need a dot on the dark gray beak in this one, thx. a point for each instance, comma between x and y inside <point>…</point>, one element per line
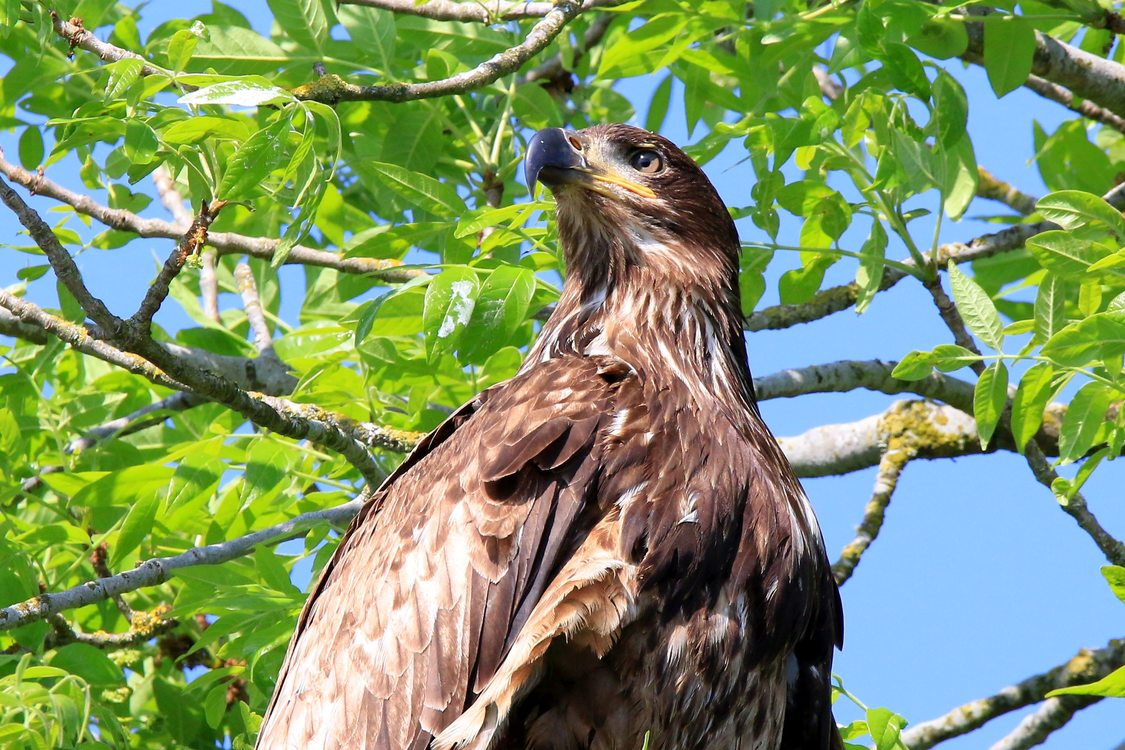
<point>550,159</point>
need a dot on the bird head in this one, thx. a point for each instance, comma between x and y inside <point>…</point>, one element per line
<point>628,199</point>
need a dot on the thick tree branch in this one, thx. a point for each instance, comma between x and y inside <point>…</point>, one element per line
<point>484,11</point>
<point>157,570</point>
<point>60,259</point>
<point>1086,666</point>
<point>1087,75</point>
<point>227,243</point>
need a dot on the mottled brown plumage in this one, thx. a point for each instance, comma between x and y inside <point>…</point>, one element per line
<point>610,544</point>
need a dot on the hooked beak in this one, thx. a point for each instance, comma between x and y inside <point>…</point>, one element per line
<point>555,158</point>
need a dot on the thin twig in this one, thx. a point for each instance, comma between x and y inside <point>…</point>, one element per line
<point>149,626</point>
<point>252,303</point>
<point>77,35</point>
<point>1086,666</point>
<point>98,561</point>
<point>331,89</point>
<point>1076,507</point>
<point>208,279</point>
<point>135,421</point>
<point>997,190</point>
<point>1084,107</point>
<point>1052,715</point>
<point>194,238</point>
<point>838,298</point>
<point>157,570</point>
<point>899,452</point>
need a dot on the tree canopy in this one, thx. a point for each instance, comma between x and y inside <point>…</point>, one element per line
<point>347,253</point>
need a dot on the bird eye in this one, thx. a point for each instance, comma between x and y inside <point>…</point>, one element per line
<point>647,162</point>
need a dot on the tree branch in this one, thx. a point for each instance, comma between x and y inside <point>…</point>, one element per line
<point>74,33</point>
<point>157,570</point>
<point>149,625</point>
<point>1075,507</point>
<point>331,89</point>
<point>1052,715</point>
<point>1086,75</point>
<point>1086,666</point>
<point>838,298</point>
<point>483,11</point>
<point>898,425</point>
<point>252,303</point>
<point>1084,107</point>
<point>997,190</point>
<point>194,238</point>
<point>227,243</point>
<point>135,421</point>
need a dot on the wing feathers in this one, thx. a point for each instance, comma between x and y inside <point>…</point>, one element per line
<point>462,541</point>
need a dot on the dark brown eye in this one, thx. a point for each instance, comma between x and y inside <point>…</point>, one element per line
<point>647,162</point>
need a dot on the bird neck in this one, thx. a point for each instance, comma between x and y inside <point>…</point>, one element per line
<point>683,335</point>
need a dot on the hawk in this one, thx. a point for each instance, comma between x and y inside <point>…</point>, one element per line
<point>605,551</point>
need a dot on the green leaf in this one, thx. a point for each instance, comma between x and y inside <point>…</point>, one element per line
<point>136,527</point>
<point>89,663</point>
<point>950,110</point>
<point>1074,209</point>
<point>500,308</point>
<point>1110,686</point>
<point>180,48</point>
<point>257,157</point>
<point>1084,416</point>
<point>1009,50</point>
<point>976,308</point>
<point>303,20</point>
<point>1050,303</point>
<point>1096,338</point>
<point>658,105</point>
<point>1032,396</point>
<point>243,93</point>
<point>951,357</point>
<point>451,298</point>
<point>869,274</point>
<point>914,366</point>
<point>31,148</point>
<point>421,191</point>
<point>373,31</point>
<point>140,141</point>
<point>122,75</point>
<point>1115,577</point>
<point>941,37</point>
<point>989,398</point>
<point>884,727</point>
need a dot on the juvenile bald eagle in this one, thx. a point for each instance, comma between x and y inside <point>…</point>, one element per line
<point>607,546</point>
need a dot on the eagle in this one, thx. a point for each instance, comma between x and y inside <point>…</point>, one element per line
<point>607,551</point>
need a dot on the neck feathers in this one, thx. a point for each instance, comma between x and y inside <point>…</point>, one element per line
<point>671,313</point>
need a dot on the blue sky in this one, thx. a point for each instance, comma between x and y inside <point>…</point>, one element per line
<point>978,579</point>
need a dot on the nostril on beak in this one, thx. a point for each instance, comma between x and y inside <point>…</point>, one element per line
<point>574,142</point>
